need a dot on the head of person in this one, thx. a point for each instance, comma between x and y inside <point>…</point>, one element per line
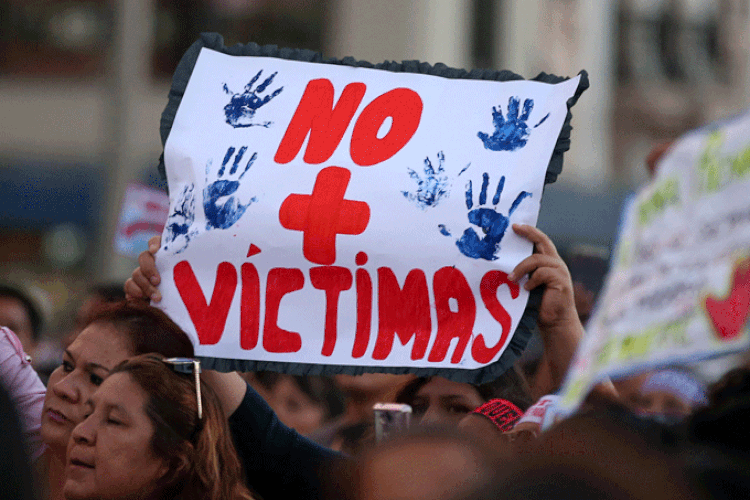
<point>123,330</point>
<point>20,313</point>
<point>427,463</point>
<point>437,401</point>
<point>304,403</point>
<point>670,394</point>
<point>153,431</point>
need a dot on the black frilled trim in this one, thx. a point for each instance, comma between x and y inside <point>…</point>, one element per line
<point>527,325</point>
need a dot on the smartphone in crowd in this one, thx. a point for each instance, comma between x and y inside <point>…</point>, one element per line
<point>390,419</point>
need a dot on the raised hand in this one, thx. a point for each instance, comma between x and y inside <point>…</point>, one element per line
<point>559,326</point>
<point>242,107</point>
<point>432,188</point>
<point>222,209</point>
<point>493,224</point>
<point>511,132</point>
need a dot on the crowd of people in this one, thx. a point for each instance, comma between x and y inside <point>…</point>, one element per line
<point>128,413</point>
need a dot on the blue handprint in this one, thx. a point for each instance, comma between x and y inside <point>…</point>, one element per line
<point>180,223</point>
<point>511,132</point>
<point>242,107</point>
<point>433,187</point>
<point>222,212</point>
<point>493,224</point>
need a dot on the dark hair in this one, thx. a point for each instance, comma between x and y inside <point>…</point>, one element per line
<point>203,463</point>
<point>511,386</point>
<point>322,390</point>
<point>28,303</point>
<point>147,329</point>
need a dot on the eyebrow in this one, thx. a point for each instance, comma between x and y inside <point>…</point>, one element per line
<point>109,406</point>
<point>454,397</point>
<point>88,365</point>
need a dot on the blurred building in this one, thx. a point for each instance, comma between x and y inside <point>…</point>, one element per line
<point>83,83</point>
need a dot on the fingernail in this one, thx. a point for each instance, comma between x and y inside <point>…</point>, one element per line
<point>154,280</point>
<point>153,248</point>
<point>512,277</point>
<point>156,296</point>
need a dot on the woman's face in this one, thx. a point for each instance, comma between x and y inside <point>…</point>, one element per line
<point>86,363</point>
<point>110,453</point>
<point>443,402</point>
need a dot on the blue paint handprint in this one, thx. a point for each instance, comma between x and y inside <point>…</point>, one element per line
<point>180,223</point>
<point>493,224</point>
<point>511,132</point>
<point>242,107</point>
<point>433,187</point>
<point>221,208</point>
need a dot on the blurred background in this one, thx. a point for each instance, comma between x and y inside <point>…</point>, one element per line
<point>83,84</point>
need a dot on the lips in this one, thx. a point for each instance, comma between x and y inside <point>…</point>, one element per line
<point>56,416</point>
<point>75,462</point>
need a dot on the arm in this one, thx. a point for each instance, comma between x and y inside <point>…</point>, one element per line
<point>558,322</point>
<point>278,462</point>
<point>25,388</point>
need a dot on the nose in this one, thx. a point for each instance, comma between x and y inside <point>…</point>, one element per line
<point>84,433</point>
<point>431,417</point>
<point>67,389</point>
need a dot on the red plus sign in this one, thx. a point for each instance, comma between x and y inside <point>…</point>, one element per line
<point>324,214</point>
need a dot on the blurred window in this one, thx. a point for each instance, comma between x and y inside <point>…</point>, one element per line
<point>54,37</point>
<point>286,23</point>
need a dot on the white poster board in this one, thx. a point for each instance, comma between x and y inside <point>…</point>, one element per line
<point>679,287</point>
<point>327,214</point>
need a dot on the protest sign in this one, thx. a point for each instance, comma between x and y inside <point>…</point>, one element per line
<point>679,287</point>
<point>331,216</point>
<point>144,210</point>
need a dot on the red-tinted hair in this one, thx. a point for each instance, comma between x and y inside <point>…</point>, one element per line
<point>146,328</point>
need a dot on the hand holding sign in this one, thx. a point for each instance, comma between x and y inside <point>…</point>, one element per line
<point>558,322</point>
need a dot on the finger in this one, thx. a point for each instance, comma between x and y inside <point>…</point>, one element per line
<point>154,244</point>
<point>543,244</point>
<point>144,285</point>
<point>147,265</point>
<point>533,262</point>
<point>549,276</point>
<point>132,291</point>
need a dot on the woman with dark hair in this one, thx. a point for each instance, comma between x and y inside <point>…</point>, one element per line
<point>154,430</point>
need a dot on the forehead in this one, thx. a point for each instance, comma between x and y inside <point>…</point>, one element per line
<point>441,387</point>
<point>101,344</point>
<point>120,389</point>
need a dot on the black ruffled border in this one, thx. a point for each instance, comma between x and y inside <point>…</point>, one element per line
<point>527,325</point>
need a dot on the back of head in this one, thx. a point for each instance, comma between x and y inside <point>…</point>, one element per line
<point>203,464</point>
<point>424,464</point>
<point>31,307</point>
<point>147,328</point>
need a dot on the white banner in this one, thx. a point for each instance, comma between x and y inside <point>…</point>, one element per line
<point>347,216</point>
<point>679,287</point>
